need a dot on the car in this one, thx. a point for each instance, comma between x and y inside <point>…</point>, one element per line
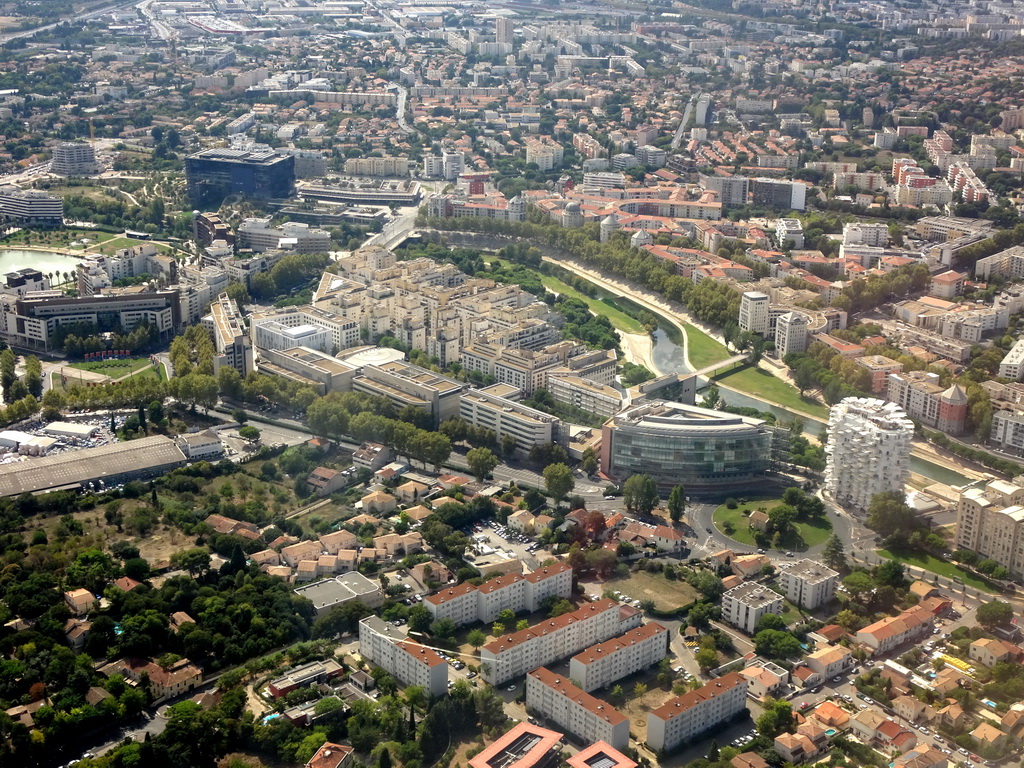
<point>836,679</point>
<point>609,498</point>
<point>760,552</point>
<point>789,554</point>
<point>975,759</point>
<point>922,729</point>
<point>804,705</point>
<point>962,751</point>
<point>708,529</point>
<point>511,687</point>
<point>470,675</point>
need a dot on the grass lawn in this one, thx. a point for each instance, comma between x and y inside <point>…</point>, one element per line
<point>702,349</point>
<point>812,532</point>
<point>618,318</point>
<point>153,372</point>
<point>112,368</point>
<point>739,518</point>
<point>116,243</point>
<point>935,565</point>
<point>762,384</point>
<point>642,585</point>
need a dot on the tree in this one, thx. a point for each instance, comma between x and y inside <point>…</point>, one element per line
<point>239,415</point>
<point>249,433</point>
<point>482,462</point>
<point>713,753</point>
<point>443,628</point>
<point>891,573</point>
<point>476,637</point>
<point>677,503</point>
<point>707,658</point>
<point>589,464</point>
<point>196,561</point>
<point>558,481</point>
<point>640,494</point>
<point>776,718</point>
<point>834,554</point>
<point>771,621</point>
<point>507,445</point>
<point>419,618</point>
<point>858,585</point>
<point>775,644</point>
<point>34,376</point>
<point>994,614</point>
<point>640,691</point>
<point>891,517</point>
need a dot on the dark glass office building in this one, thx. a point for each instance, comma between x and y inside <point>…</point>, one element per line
<point>260,174</point>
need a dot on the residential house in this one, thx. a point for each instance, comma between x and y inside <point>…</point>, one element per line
<point>758,519</point>
<point>830,660</point>
<point>304,550</point>
<point>953,716</point>
<point>79,601</point>
<point>794,748</point>
<point>989,651</point>
<point>338,540</point>
<point>892,735</point>
<point>764,679</point>
<point>379,503</point>
<point>179,677</point>
<point>747,566</point>
<point>180,619</point>
<point>326,481</point>
<point>909,708</point>
<point>923,590</point>
<point>748,760</point>
<point>371,456</point>
<point>987,735</point>
<point>924,756</point>
<point>411,491</point>
<point>521,521</point>
<point>831,715</point>
<point>76,632</point>
<point>331,755</point>
<point>894,631</point>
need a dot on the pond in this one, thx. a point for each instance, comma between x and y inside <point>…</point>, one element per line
<point>13,259</point>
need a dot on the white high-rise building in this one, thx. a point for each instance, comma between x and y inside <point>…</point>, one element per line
<point>754,312</point>
<point>503,31</point>
<point>74,158</point>
<point>864,233</point>
<point>792,333</point>
<point>807,583</point>
<point>868,450</point>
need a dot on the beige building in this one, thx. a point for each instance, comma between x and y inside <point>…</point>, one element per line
<point>990,521</point>
<point>497,408</point>
<point>681,719</point>
<point>604,663</point>
<point>588,719</point>
<point>808,583</point>
<point>743,606</point>
<point>413,664</point>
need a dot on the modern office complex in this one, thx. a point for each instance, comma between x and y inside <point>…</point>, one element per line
<point>744,605</point>
<point>258,173</point>
<point>496,408</point>
<point>553,639</point>
<point>74,158</point>
<point>601,665</point>
<point>588,719</point>
<point>807,583</point>
<point>990,521</point>
<point>868,450</point>
<point>685,717</point>
<point>413,664</point>
<point>304,326</point>
<point>259,235</point>
<point>30,206</point>
<point>683,444</point>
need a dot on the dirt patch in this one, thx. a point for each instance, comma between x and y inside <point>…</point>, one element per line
<point>643,585</point>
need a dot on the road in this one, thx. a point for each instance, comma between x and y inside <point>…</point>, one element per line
<point>77,18</point>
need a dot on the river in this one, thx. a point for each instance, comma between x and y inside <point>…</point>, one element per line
<point>669,358</point>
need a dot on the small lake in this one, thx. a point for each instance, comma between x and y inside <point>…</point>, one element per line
<point>13,259</point>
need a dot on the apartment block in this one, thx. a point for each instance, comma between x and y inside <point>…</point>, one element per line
<point>1008,429</point>
<point>465,603</point>
<point>497,408</point>
<point>377,166</point>
<point>923,399</point>
<point>808,583</point>
<point>230,337</point>
<point>260,236</point>
<point>525,746</point>
<point>515,654</point>
<point>387,647</point>
<point>754,312</point>
<point>1012,365</point>
<point>990,521</point>
<point>601,400</point>
<point>579,713</point>
<point>792,333</point>
<point>30,206</point>
<point>879,367</point>
<point>685,717</point>
<point>789,232</point>
<point>601,665</point>
<point>743,606</point>
<point>868,450</point>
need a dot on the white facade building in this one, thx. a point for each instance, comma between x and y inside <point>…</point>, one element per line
<point>465,603</point>
<point>290,236</point>
<point>807,583</point>
<point>754,312</point>
<point>602,664</point>
<point>789,230</point>
<point>868,450</point>
<point>743,606</point>
<point>230,336</point>
<point>1012,365</point>
<point>792,332</point>
<point>413,664</point>
<point>553,639</point>
<point>588,719</point>
<point>681,719</point>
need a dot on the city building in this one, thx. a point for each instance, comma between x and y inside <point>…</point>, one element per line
<point>990,521</point>
<point>683,718</point>
<point>868,450</point>
<point>879,367</point>
<point>924,399</point>
<point>257,172</point>
<point>496,408</point>
<point>754,312</point>
<point>258,235</point>
<point>775,193</point>
<point>684,444</point>
<point>807,583</point>
<point>310,367</point>
<point>789,234</point>
<point>465,603</point>
<point>601,665</point>
<point>304,326</point>
<point>387,646</point>
<point>341,589</point>
<point>744,605</point>
<point>406,384</point>
<point>585,717</point>
<point>525,746</point>
<point>30,206</point>
<point>600,755</point>
<point>1012,365</point>
<point>1008,429</point>
<point>792,333</point>
<point>305,675</point>
<point>230,337</point>
<point>554,639</point>
<point>865,233</point>
<point>74,158</point>
<point>577,392</point>
<point>377,166</point>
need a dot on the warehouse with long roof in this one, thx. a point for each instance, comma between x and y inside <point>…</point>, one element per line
<point>115,463</point>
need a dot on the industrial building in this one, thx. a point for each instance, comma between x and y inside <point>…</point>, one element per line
<point>106,464</point>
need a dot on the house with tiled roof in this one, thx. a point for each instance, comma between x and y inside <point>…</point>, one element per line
<point>953,716</point>
<point>79,601</point>
<point>331,755</point>
<point>794,747</point>
<point>987,735</point>
<point>894,631</point>
<point>924,756</point>
<point>989,651</point>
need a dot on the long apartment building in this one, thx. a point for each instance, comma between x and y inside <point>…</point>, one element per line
<point>990,521</point>
<point>893,631</point>
<point>553,639</point>
<point>413,664</point>
<point>406,384</point>
<point>685,717</point>
<point>497,408</point>
<point>588,719</point>
<point>259,235</point>
<point>304,326</point>
<point>230,336</point>
<point>466,603</point>
<point>601,665</point>
<point>744,605</point>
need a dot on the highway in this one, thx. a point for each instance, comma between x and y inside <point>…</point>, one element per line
<point>77,18</point>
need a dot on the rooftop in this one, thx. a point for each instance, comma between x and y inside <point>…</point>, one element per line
<point>711,689</point>
<point>524,746</point>
<point>566,687</point>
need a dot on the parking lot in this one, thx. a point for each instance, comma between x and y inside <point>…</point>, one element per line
<point>510,542</point>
